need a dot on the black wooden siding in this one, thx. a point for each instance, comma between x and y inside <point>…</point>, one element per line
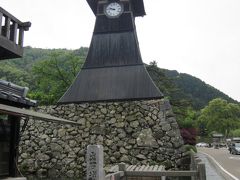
<point>137,7</point>
<point>123,23</point>
<point>5,53</point>
<point>116,49</point>
<point>111,84</point>
<point>113,70</point>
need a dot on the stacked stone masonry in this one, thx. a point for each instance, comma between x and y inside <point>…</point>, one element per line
<point>136,132</point>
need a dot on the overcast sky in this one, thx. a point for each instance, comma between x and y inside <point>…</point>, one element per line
<point>198,37</point>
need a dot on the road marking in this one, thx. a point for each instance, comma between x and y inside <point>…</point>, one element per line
<point>224,170</point>
<point>237,158</point>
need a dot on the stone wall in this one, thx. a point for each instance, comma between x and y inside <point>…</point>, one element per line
<point>137,132</point>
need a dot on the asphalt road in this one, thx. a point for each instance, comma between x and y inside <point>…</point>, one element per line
<point>230,163</point>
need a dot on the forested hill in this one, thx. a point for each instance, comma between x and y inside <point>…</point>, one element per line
<point>33,55</point>
<point>196,89</point>
<point>182,89</point>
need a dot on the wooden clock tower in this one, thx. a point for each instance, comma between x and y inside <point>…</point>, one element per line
<point>113,70</point>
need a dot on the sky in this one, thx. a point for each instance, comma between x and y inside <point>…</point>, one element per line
<point>198,37</point>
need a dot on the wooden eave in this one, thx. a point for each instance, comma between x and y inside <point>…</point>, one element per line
<point>138,7</point>
<point>36,115</point>
<point>9,50</point>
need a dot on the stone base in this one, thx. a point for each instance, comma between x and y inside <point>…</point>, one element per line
<point>135,132</point>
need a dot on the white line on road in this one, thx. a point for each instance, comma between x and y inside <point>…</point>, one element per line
<point>224,170</point>
<point>237,158</point>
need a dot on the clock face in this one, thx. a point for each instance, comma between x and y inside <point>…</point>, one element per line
<point>113,10</point>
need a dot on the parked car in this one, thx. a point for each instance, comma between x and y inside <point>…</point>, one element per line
<point>202,144</point>
<point>222,145</point>
<point>234,148</point>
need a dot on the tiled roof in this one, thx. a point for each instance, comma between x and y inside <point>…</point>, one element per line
<point>12,93</point>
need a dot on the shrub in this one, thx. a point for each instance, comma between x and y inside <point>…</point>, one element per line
<point>189,135</point>
<point>190,148</point>
<point>235,133</point>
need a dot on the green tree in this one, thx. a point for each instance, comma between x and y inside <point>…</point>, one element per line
<point>54,75</point>
<point>220,116</point>
<point>166,85</point>
<point>190,119</point>
<point>12,74</point>
<point>235,133</point>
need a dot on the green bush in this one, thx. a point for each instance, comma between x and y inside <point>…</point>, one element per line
<point>190,148</point>
<point>235,133</point>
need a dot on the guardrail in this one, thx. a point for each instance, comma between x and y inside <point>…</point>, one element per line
<point>95,170</point>
<point>139,173</point>
<point>11,28</point>
<point>11,35</point>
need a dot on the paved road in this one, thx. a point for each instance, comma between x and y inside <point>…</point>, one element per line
<point>229,162</point>
<point>212,173</point>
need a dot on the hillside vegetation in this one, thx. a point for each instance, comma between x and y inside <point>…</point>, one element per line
<point>49,72</point>
<point>197,90</point>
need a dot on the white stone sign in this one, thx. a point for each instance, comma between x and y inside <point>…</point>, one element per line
<point>95,169</point>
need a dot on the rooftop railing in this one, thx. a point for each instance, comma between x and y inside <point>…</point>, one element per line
<point>11,35</point>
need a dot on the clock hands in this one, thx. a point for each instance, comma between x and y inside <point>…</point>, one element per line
<point>113,9</point>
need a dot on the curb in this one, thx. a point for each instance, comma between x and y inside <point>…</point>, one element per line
<point>220,170</point>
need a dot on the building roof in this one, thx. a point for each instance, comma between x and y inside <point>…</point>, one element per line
<point>15,95</point>
<point>138,7</point>
<point>217,135</point>
<point>36,115</point>
<point>111,84</point>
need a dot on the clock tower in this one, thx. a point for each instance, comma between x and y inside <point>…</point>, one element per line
<point>113,70</point>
